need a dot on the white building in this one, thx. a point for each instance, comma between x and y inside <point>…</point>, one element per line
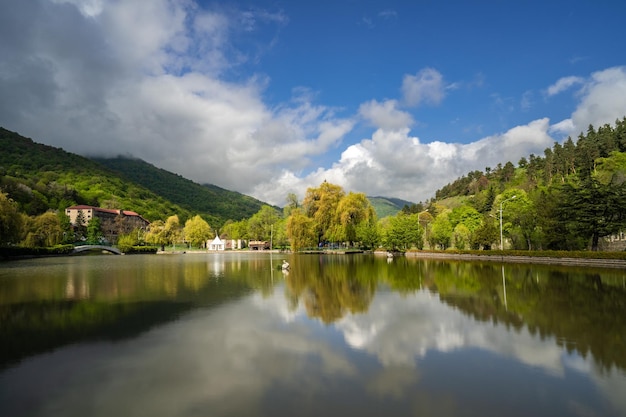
<point>216,244</point>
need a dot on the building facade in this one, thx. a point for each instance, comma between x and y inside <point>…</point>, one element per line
<point>112,222</point>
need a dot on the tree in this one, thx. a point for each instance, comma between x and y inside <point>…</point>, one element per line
<point>485,235</point>
<point>441,230</point>
<point>593,205</point>
<point>173,232</point>
<point>44,230</point>
<point>403,232</point>
<point>94,233</point>
<point>467,216</point>
<point>320,204</point>
<point>66,225</point>
<point>292,203</point>
<point>521,218</point>
<point>236,230</point>
<point>300,230</point>
<point>197,231</point>
<point>156,234</point>
<point>462,236</point>
<point>353,211</point>
<point>261,223</point>
<point>10,220</point>
<point>80,225</point>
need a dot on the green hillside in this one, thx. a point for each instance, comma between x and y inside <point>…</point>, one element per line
<point>40,177</point>
<point>221,203</point>
<point>386,206</point>
<point>568,199</point>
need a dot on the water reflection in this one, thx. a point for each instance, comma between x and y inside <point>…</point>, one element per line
<point>233,335</point>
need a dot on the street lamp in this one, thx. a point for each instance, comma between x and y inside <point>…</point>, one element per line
<point>502,202</point>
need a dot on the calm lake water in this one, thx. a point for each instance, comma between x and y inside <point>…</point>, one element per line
<point>231,335</point>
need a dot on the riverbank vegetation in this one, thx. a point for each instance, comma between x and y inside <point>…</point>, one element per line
<point>573,198</point>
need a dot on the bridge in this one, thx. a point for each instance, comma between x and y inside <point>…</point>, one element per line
<point>84,248</point>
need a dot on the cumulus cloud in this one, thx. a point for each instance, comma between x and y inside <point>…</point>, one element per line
<point>146,80</point>
<point>156,81</point>
<point>424,87</point>
<point>602,101</point>
<point>394,163</point>
<point>385,115</point>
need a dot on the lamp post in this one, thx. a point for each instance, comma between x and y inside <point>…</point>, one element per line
<point>501,203</point>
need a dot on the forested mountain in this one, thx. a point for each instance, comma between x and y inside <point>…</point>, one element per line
<point>566,199</point>
<point>387,206</point>
<point>40,177</point>
<point>194,197</point>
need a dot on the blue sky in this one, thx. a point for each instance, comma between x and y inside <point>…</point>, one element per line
<point>392,98</point>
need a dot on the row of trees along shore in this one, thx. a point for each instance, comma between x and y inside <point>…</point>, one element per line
<point>567,199</point>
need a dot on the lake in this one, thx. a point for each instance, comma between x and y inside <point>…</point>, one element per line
<point>230,334</point>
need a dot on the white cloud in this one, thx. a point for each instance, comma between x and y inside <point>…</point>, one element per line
<point>563,84</point>
<point>385,115</point>
<point>393,163</point>
<point>602,100</point>
<point>124,77</point>
<point>424,87</point>
<point>145,79</point>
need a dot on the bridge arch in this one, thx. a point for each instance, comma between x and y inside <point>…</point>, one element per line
<point>84,248</point>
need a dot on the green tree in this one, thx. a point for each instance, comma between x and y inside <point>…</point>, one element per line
<point>66,226</point>
<point>44,230</point>
<point>403,232</point>
<point>173,230</point>
<point>94,232</point>
<point>197,231</point>
<point>260,225</point>
<point>320,204</point>
<point>353,211</point>
<point>485,235</point>
<point>301,230</point>
<point>292,203</point>
<point>80,225</point>
<point>462,236</point>
<point>441,230</point>
<point>10,220</point>
<point>156,234</point>
<point>593,205</point>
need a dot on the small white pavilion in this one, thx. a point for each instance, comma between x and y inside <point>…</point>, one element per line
<point>216,244</point>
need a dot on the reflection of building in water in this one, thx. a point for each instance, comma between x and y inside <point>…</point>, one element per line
<point>217,266</point>
<point>76,288</point>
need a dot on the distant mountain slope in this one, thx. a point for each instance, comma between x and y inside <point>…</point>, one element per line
<point>198,198</point>
<point>40,177</point>
<point>387,206</point>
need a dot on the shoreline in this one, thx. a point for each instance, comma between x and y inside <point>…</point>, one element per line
<point>520,259</point>
<point>514,259</point>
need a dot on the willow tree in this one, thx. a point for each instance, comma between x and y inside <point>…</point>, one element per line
<point>353,216</point>
<point>10,220</point>
<point>320,204</point>
<point>197,231</point>
<point>301,230</point>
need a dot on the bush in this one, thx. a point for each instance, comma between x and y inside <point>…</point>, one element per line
<point>140,249</point>
<point>22,251</point>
